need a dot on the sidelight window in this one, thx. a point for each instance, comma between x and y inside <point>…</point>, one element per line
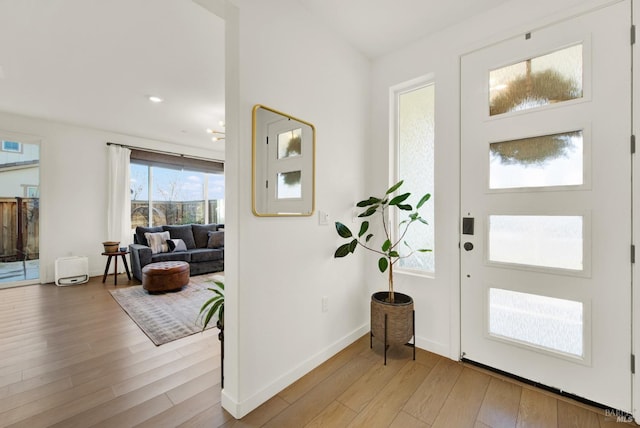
<point>415,137</point>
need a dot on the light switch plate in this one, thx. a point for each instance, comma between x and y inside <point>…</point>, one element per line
<point>323,218</point>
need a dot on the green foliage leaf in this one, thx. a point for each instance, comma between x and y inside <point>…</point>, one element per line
<point>369,236</point>
<point>213,310</point>
<point>424,250</point>
<point>370,211</point>
<point>423,221</point>
<point>363,228</point>
<point>424,199</point>
<point>352,245</point>
<point>213,306</point>
<point>405,207</point>
<point>395,187</point>
<point>383,264</point>
<point>394,254</point>
<point>342,250</point>
<point>399,198</point>
<point>343,230</point>
<point>386,245</point>
<point>367,202</point>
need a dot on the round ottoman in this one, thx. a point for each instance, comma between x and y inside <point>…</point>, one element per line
<point>165,276</point>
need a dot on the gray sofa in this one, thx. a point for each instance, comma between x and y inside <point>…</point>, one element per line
<point>204,247</point>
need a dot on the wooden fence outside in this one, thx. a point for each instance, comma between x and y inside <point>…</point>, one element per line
<point>168,212</point>
<point>19,235</point>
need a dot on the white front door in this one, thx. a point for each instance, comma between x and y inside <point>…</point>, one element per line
<point>546,206</point>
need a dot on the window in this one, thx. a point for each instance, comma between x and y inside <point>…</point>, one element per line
<point>11,146</point>
<point>31,191</point>
<point>19,212</point>
<point>169,189</point>
<point>551,241</point>
<point>543,161</point>
<point>543,322</point>
<point>536,82</point>
<point>414,151</point>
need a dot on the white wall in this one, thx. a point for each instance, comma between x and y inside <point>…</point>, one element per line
<point>276,276</point>
<point>437,300</point>
<point>73,185</point>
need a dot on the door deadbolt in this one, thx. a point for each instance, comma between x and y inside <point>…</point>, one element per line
<point>468,246</point>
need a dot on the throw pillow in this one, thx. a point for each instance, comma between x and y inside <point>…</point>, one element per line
<point>176,245</point>
<point>216,239</point>
<point>183,232</point>
<point>140,231</point>
<point>157,241</point>
<point>201,233</point>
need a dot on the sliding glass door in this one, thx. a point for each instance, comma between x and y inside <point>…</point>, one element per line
<point>19,212</point>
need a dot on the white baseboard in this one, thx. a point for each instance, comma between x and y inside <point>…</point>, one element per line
<point>432,346</point>
<point>238,409</point>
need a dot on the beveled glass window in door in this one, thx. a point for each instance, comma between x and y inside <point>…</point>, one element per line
<point>290,143</point>
<point>547,241</point>
<point>540,321</point>
<point>544,161</point>
<point>289,185</point>
<point>536,82</point>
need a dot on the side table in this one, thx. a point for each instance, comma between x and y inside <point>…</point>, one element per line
<point>115,272</point>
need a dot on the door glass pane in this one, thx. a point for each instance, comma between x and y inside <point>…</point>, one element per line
<point>290,143</point>
<point>548,160</point>
<point>545,322</point>
<point>536,82</point>
<point>19,212</point>
<point>289,185</point>
<point>545,241</point>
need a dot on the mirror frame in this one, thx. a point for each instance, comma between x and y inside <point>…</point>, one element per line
<point>254,163</point>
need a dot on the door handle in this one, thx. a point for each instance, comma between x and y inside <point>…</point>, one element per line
<point>468,246</point>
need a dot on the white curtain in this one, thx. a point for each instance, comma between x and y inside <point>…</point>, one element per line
<point>119,202</point>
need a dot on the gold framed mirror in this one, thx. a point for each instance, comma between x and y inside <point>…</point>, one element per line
<point>283,164</point>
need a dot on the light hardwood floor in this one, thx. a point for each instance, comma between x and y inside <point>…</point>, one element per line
<point>70,357</point>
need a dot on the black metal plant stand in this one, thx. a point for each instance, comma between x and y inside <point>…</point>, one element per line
<point>221,339</point>
<point>386,345</point>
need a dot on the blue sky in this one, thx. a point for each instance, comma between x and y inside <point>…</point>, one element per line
<point>177,185</point>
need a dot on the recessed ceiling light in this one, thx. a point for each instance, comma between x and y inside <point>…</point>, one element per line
<point>155,99</point>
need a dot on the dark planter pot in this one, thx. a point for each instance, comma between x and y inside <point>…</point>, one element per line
<point>399,318</point>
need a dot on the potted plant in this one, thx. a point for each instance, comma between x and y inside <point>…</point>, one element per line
<point>215,307</point>
<point>391,312</point>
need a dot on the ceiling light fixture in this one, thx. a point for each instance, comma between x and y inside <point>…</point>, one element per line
<point>155,99</point>
<point>217,135</point>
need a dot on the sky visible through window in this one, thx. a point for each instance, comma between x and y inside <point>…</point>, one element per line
<point>174,185</point>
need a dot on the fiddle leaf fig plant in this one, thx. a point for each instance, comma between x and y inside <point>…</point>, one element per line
<point>390,251</point>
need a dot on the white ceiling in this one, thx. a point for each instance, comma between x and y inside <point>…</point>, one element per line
<point>377,27</point>
<point>94,63</point>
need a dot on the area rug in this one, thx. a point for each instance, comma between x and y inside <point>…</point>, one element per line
<point>169,316</point>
